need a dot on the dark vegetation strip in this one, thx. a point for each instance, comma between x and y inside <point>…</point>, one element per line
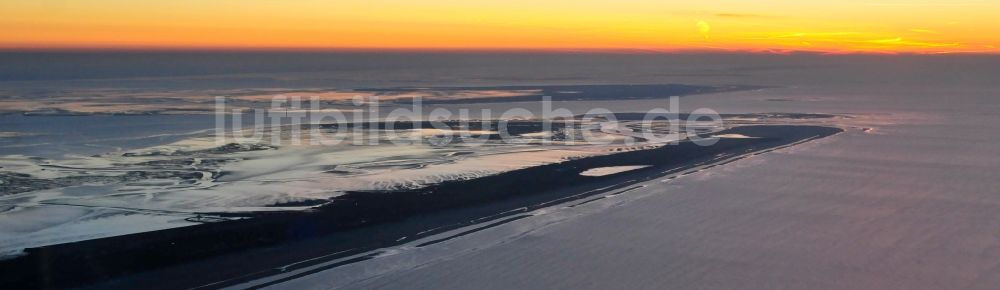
<point>357,221</point>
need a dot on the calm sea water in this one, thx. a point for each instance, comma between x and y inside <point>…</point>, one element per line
<point>36,73</point>
<point>37,77</point>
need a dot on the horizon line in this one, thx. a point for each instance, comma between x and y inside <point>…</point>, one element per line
<point>461,50</point>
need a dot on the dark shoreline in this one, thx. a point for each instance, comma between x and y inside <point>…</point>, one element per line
<point>243,250</point>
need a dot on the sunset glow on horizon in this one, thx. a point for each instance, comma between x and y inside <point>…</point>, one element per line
<point>826,26</point>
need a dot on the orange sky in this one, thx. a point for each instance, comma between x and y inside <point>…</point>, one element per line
<point>842,26</point>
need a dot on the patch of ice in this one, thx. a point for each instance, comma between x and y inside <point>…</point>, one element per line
<point>734,136</point>
<point>603,171</point>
